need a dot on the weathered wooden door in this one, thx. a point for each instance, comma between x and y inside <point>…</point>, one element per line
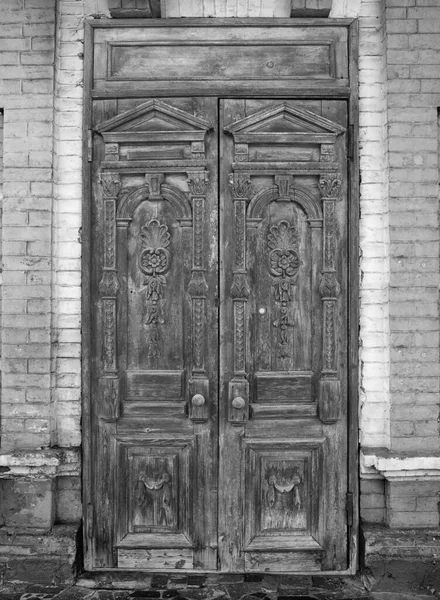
<point>219,328</point>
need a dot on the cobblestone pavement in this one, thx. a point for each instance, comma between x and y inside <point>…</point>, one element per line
<point>219,587</point>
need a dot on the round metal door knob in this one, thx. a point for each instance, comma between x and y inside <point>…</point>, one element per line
<point>239,402</point>
<point>198,400</point>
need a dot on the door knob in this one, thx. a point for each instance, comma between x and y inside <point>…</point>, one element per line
<point>238,402</point>
<point>198,400</point>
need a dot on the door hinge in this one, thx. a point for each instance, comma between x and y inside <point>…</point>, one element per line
<point>349,508</point>
<point>350,149</point>
<point>89,145</point>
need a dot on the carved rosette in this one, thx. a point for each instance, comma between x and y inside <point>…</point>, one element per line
<point>154,263</point>
<point>330,185</point>
<point>283,265</point>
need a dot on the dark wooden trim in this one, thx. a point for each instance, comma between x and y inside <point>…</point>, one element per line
<point>353,281</point>
<point>219,91</point>
<point>217,22</point>
<point>86,296</point>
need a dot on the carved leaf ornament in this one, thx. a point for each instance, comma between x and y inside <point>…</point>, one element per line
<point>154,262</point>
<point>283,264</point>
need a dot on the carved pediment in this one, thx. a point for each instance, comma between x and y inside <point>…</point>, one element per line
<point>282,123</point>
<point>154,120</point>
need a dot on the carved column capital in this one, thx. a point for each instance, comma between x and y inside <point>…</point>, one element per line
<point>198,182</point>
<point>330,186</point>
<point>240,184</point>
<point>111,183</point>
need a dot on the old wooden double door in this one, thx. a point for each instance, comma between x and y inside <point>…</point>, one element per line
<point>219,335</point>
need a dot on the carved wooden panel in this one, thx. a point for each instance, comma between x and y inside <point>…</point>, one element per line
<point>155,313</point>
<point>283,491</point>
<point>149,58</point>
<point>287,171</point>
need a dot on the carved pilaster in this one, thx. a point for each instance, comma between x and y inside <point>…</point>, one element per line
<point>329,386</point>
<point>197,289</point>
<point>109,285</point>
<point>240,185</point>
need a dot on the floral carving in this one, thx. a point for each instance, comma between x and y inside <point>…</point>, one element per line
<point>109,334</point>
<point>329,286</point>
<point>109,233</point>
<point>283,265</point>
<point>198,286</point>
<point>330,185</point>
<point>198,332</point>
<point>329,234</point>
<point>240,184</point>
<point>198,214</point>
<point>110,184</point>
<point>329,336</point>
<point>154,262</point>
<point>240,286</point>
<point>239,341</point>
<point>109,284</point>
<point>198,183</point>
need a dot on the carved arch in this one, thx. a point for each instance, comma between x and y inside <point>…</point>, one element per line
<point>129,202</point>
<point>297,194</point>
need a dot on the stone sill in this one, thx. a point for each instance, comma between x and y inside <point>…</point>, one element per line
<point>44,463</point>
<point>378,463</point>
<point>384,543</point>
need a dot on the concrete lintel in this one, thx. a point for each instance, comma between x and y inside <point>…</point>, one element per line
<point>382,463</point>
<point>44,463</point>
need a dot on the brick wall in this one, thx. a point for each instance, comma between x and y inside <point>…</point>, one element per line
<point>66,347</point>
<point>413,67</point>
<point>27,99</point>
<point>374,231</point>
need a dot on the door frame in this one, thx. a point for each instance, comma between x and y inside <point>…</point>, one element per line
<point>349,93</point>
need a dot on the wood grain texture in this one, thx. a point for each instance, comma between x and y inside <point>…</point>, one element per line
<point>152,559</point>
